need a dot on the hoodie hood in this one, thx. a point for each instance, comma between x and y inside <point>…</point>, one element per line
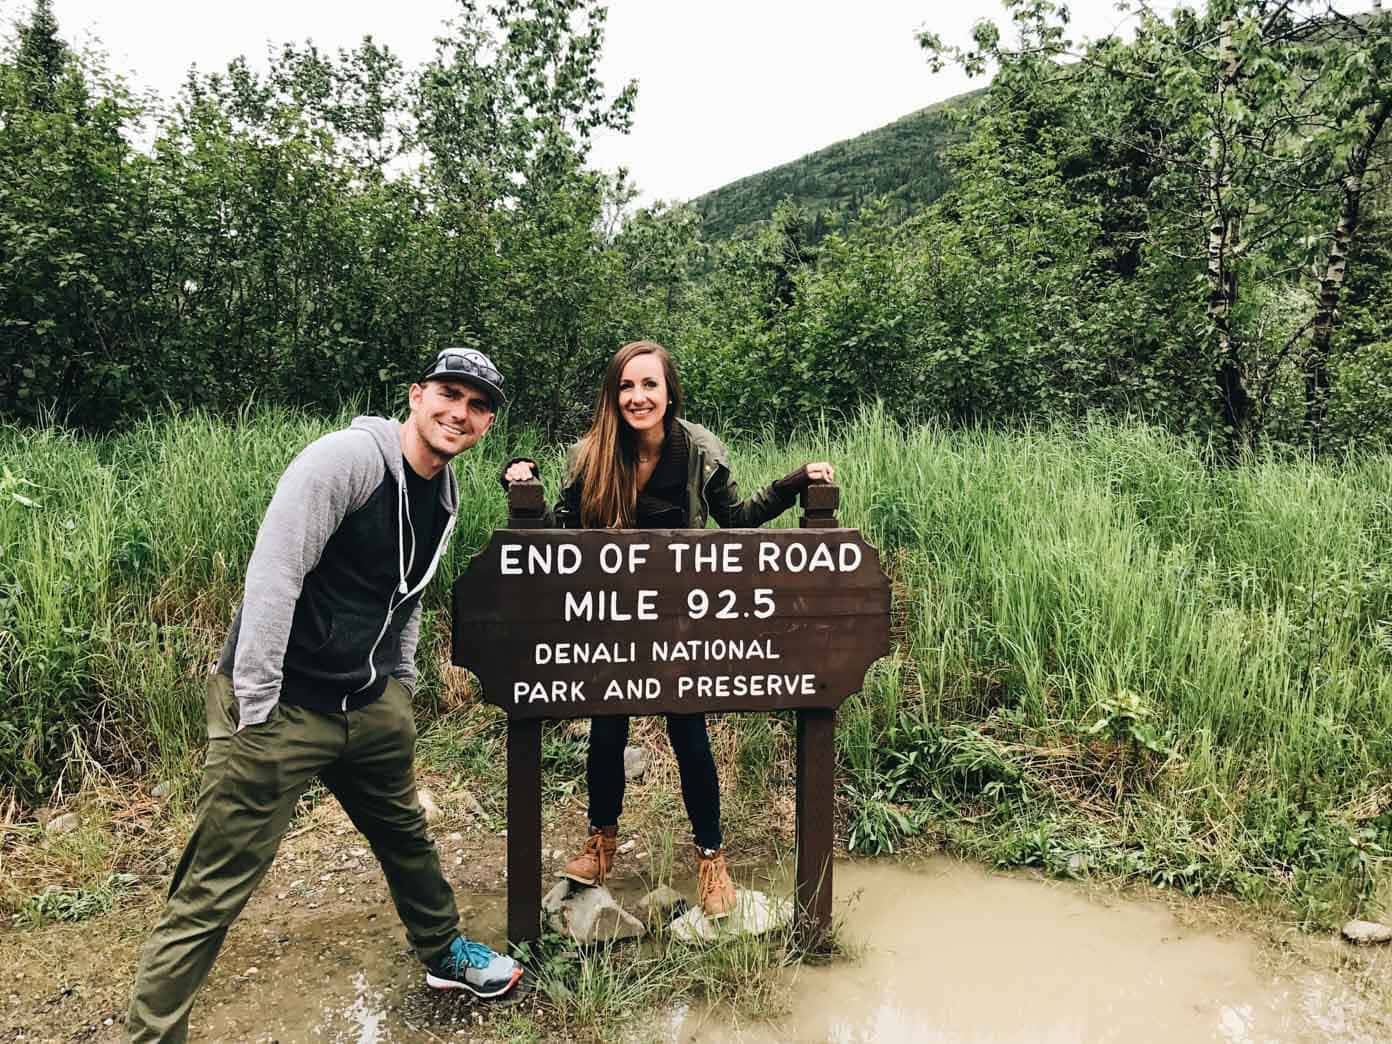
<point>386,433</point>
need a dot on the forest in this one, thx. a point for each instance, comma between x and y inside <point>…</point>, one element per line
<point>1189,227</point>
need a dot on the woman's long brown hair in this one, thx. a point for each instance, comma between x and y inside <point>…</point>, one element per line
<point>606,465</point>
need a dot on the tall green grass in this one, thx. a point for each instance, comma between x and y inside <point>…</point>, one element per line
<point>121,562</point>
<point>1112,657</point>
<point>1173,670</point>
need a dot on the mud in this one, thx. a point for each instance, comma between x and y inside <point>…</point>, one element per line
<point>950,954</point>
<point>941,952</point>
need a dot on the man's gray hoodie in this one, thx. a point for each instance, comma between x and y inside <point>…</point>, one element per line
<point>327,613</point>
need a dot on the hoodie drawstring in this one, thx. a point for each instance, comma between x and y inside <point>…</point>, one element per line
<point>403,519</point>
<point>403,516</point>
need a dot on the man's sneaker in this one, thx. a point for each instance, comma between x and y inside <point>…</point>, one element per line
<point>474,967</point>
<point>592,865</point>
<point>714,889</point>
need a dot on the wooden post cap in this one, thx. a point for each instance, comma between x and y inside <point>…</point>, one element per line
<point>819,503</point>
<point>526,499</point>
<point>821,496</point>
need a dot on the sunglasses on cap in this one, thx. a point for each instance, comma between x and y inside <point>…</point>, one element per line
<point>468,364</point>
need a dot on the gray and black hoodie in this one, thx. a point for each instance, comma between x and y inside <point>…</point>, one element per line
<point>328,614</point>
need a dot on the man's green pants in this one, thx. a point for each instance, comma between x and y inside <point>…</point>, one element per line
<point>251,781</point>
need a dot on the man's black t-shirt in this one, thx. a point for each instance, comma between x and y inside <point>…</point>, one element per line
<point>423,501</point>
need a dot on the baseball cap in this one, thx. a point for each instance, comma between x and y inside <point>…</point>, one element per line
<point>468,364</point>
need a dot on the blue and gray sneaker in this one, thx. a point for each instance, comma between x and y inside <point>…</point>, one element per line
<point>474,967</point>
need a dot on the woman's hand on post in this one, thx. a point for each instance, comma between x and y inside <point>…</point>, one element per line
<point>518,470</point>
<point>797,481</point>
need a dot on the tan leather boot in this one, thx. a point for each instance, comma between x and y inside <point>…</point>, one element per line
<point>714,889</point>
<point>592,865</point>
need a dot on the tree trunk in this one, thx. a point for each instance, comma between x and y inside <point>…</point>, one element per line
<point>1234,400</point>
<point>1331,284</point>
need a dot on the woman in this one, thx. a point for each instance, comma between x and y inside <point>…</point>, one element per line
<point>641,466</point>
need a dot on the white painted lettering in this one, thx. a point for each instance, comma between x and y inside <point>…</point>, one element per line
<point>508,564</point>
<point>768,557</point>
<point>730,558</point>
<point>611,558</point>
<point>615,613</point>
<point>568,559</point>
<point>539,559</point>
<point>795,558</point>
<point>579,608</point>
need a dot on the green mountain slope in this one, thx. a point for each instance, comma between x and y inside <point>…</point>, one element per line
<point>903,160</point>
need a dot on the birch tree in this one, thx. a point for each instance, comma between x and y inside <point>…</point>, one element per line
<point>1262,119</point>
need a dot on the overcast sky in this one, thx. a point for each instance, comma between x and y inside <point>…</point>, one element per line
<point>725,87</point>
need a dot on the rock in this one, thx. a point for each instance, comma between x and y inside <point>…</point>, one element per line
<point>627,847</point>
<point>456,837</point>
<point>1366,932</point>
<point>473,804</point>
<point>64,824</point>
<point>161,791</point>
<point>1077,864</point>
<point>661,905</point>
<point>754,914</point>
<point>635,762</point>
<point>429,805</point>
<point>588,915</point>
<point>552,901</point>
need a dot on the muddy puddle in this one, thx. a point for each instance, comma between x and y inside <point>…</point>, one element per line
<point>945,953</point>
<point>348,980</point>
<point>950,954</point>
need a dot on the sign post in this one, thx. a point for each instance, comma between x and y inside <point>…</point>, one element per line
<point>586,623</point>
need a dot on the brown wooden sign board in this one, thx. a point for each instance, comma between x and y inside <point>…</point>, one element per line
<point>582,623</point>
<point>585,623</point>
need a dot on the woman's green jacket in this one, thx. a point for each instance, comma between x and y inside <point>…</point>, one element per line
<point>711,489</point>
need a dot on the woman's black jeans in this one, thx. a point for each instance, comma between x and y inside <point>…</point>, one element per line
<point>604,771</point>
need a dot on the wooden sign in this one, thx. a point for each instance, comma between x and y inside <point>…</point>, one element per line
<point>567,623</point>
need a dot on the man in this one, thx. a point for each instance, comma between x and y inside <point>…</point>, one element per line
<point>315,679</point>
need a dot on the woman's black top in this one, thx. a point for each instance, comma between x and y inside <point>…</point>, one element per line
<point>662,503</point>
